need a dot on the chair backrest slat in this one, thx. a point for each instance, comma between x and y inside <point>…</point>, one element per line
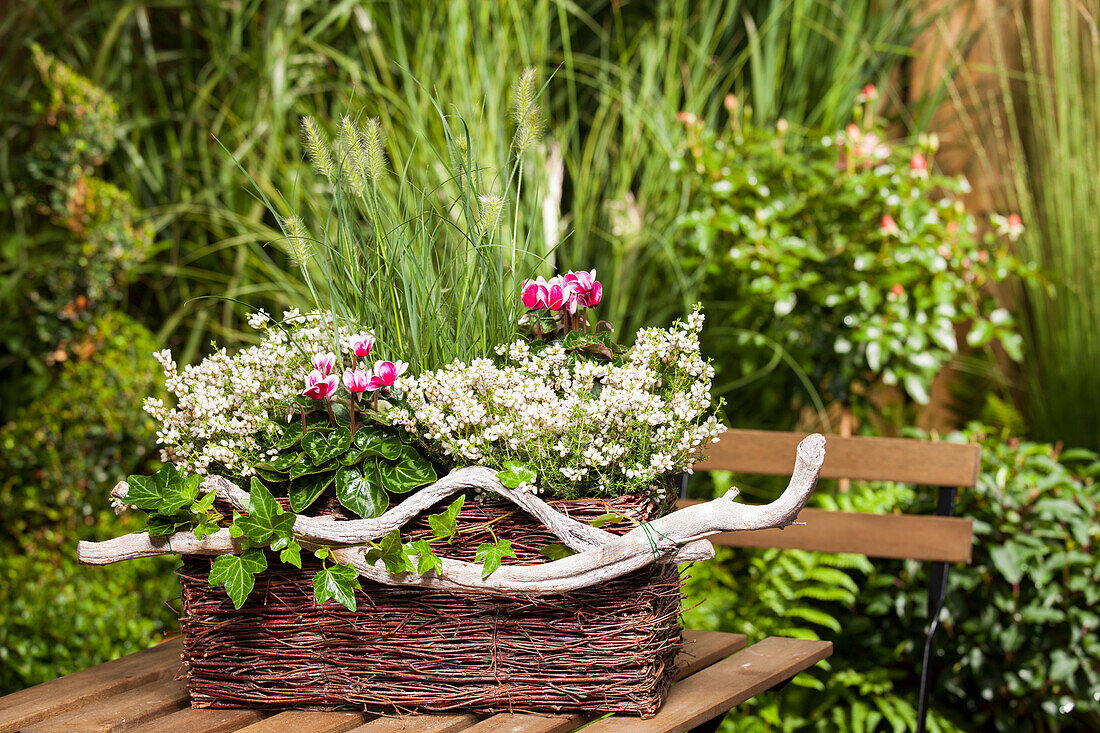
<point>898,536</point>
<point>903,460</point>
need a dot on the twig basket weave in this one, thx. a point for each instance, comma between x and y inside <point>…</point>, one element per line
<point>607,648</point>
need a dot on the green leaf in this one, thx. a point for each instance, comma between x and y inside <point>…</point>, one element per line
<point>339,582</point>
<point>265,517</point>
<point>516,473</point>
<point>362,493</point>
<point>305,468</point>
<point>305,491</point>
<point>391,552</point>
<point>492,555</point>
<point>445,523</point>
<point>371,441</point>
<point>426,559</point>
<point>289,550</point>
<point>158,525</point>
<point>238,573</point>
<point>179,493</point>
<point>143,493</point>
<point>1010,561</point>
<point>411,471</point>
<point>608,518</point>
<point>283,462</point>
<point>205,529</point>
<point>557,552</point>
<point>323,447</point>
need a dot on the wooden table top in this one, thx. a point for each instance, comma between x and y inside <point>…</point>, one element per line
<point>139,692</point>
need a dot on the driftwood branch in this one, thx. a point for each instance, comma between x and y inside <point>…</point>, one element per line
<point>677,537</point>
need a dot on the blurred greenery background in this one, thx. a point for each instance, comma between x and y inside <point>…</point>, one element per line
<point>126,226</point>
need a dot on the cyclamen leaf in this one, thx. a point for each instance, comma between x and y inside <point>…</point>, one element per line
<point>362,493</point>
<point>426,559</point>
<point>445,523</point>
<point>371,441</point>
<point>516,473</point>
<point>557,552</point>
<point>238,573</point>
<point>305,468</point>
<point>392,553</point>
<point>492,555</point>
<point>265,517</point>
<point>305,491</point>
<point>323,447</point>
<point>283,462</point>
<point>337,582</point>
<point>410,471</point>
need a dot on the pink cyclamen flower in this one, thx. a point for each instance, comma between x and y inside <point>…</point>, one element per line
<point>319,386</point>
<point>324,361</point>
<point>853,132</point>
<point>557,294</point>
<point>889,226</point>
<point>919,165</point>
<point>870,93</point>
<point>588,289</point>
<point>362,344</point>
<point>898,289</point>
<point>1015,226</point>
<point>356,380</point>
<point>386,374</point>
<point>534,294</point>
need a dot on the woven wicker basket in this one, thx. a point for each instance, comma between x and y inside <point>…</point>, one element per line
<point>607,648</point>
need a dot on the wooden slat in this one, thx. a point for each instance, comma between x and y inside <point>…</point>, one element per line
<point>87,686</point>
<point>701,649</point>
<point>300,721</point>
<point>899,536</point>
<point>418,724</point>
<point>119,712</point>
<point>904,460</point>
<point>721,686</point>
<point>201,720</point>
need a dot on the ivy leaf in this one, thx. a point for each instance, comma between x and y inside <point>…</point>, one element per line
<point>323,447</point>
<point>516,473</point>
<point>339,582</point>
<point>492,555</point>
<point>391,552</point>
<point>265,517</point>
<point>205,528</point>
<point>178,493</point>
<point>159,525</point>
<point>362,493</point>
<point>411,471</point>
<point>557,552</point>
<point>238,573</point>
<point>289,550</point>
<point>371,441</point>
<point>445,523</point>
<point>608,518</point>
<point>143,493</point>
<point>305,491</point>
<point>426,559</point>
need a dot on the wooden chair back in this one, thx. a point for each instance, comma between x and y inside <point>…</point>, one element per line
<point>903,536</point>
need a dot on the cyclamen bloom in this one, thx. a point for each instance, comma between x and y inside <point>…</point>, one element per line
<point>319,386</point>
<point>588,289</point>
<point>386,374</point>
<point>362,344</point>
<point>919,165</point>
<point>535,294</point>
<point>356,380</point>
<point>889,226</point>
<point>558,294</point>
<point>324,361</point>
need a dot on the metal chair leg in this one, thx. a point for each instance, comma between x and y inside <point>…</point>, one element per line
<point>937,593</point>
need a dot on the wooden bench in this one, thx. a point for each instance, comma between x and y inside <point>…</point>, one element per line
<point>940,539</point>
<point>142,692</point>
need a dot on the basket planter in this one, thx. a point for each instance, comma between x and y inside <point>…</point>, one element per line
<point>607,648</point>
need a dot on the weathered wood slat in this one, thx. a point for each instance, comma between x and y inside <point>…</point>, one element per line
<point>721,686</point>
<point>300,721</point>
<point>899,536</point>
<point>924,462</point>
<point>201,720</point>
<point>89,685</point>
<point>118,712</point>
<point>418,724</point>
<point>701,649</point>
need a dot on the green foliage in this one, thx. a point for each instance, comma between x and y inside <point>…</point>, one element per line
<point>492,554</point>
<point>444,523</point>
<point>516,474</point>
<point>238,573</point>
<point>840,254</point>
<point>1049,151</point>
<point>172,503</point>
<point>337,582</point>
